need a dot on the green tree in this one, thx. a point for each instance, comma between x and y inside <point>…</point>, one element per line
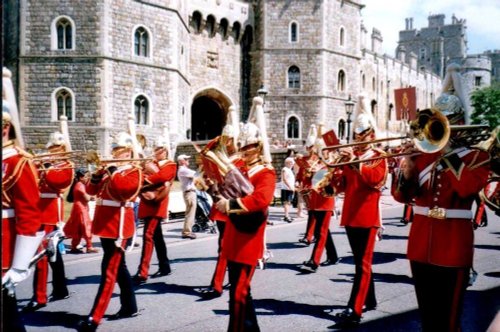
<point>486,104</point>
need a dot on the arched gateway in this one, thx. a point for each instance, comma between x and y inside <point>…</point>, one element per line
<point>208,114</point>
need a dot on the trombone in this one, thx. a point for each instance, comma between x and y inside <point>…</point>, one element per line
<point>92,157</point>
<point>429,132</point>
<point>56,155</point>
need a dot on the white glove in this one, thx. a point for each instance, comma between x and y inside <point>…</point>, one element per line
<point>25,249</point>
<point>13,277</point>
<point>53,241</point>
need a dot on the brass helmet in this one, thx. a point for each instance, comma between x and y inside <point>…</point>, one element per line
<point>56,139</point>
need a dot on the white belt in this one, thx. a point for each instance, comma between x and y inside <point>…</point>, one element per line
<point>441,213</point>
<point>8,213</point>
<point>50,195</point>
<point>108,202</point>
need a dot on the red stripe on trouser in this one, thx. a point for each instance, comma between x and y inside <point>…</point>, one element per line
<point>147,246</point>
<point>366,274</point>
<point>311,224</point>
<point>219,273</point>
<point>104,296</point>
<point>407,212</point>
<point>42,273</point>
<point>240,296</point>
<point>40,280</point>
<point>323,222</point>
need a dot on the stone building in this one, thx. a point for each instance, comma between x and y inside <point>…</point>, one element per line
<point>181,64</point>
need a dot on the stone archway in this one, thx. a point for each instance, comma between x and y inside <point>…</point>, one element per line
<point>208,114</point>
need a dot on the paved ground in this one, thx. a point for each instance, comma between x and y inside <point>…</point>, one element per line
<point>285,298</point>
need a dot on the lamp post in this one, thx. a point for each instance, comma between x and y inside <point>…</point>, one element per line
<point>349,108</point>
<point>262,92</point>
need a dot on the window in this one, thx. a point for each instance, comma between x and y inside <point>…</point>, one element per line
<point>141,108</point>
<point>210,26</point>
<point>341,129</point>
<point>62,33</point>
<point>342,37</point>
<point>294,32</point>
<point>374,85</point>
<point>477,81</point>
<point>236,31</point>
<point>223,28</point>
<point>196,21</point>
<point>292,127</point>
<point>341,81</point>
<point>423,53</point>
<point>64,104</point>
<point>141,42</point>
<point>363,81</point>
<point>293,77</point>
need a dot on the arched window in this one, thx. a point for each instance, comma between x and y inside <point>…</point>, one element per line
<point>236,31</point>
<point>363,81</point>
<point>374,85</point>
<point>293,77</point>
<point>141,42</point>
<point>210,26</point>
<point>196,21</point>
<point>141,109</point>
<point>341,128</point>
<point>341,37</point>
<point>64,102</point>
<point>294,32</point>
<point>223,28</point>
<point>62,34</point>
<point>292,127</point>
<point>341,81</point>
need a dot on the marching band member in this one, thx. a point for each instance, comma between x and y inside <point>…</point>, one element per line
<point>116,188</point>
<point>441,240</point>
<point>243,242</point>
<point>225,141</point>
<point>361,184</point>
<point>21,220</point>
<point>55,178</point>
<point>304,176</point>
<point>321,209</point>
<point>153,209</point>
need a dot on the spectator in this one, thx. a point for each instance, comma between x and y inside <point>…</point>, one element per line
<point>186,177</point>
<point>79,224</point>
<point>288,187</point>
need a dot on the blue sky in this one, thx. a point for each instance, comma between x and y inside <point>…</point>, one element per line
<point>482,19</point>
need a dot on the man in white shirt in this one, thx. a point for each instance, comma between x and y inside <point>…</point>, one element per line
<point>288,187</point>
<point>186,177</point>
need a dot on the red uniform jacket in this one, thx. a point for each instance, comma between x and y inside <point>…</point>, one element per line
<point>243,247</point>
<point>153,208</point>
<point>20,196</point>
<point>115,192</point>
<point>362,191</point>
<point>449,183</point>
<point>54,181</point>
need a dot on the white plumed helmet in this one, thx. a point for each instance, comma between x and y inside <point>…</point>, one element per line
<point>254,131</point>
<point>122,140</point>
<point>56,139</point>
<point>311,136</point>
<point>363,118</point>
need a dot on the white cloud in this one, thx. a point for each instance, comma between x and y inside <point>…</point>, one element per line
<point>481,16</point>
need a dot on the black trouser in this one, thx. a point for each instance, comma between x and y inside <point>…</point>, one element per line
<point>113,270</point>
<point>324,240</point>
<point>362,242</point>
<point>440,294</point>
<point>242,317</point>
<point>11,320</point>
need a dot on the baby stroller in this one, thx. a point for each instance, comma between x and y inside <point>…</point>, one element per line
<point>203,205</point>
